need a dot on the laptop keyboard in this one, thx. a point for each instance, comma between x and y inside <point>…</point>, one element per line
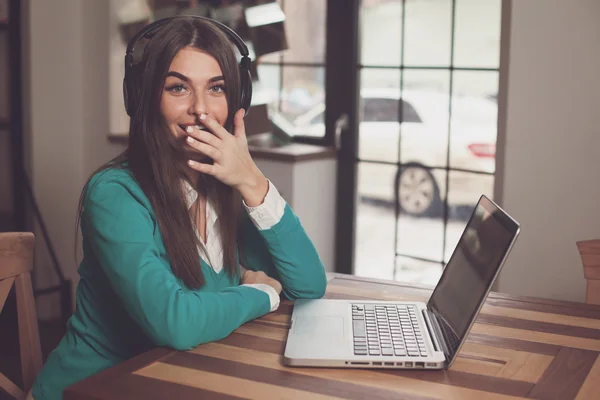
<point>387,330</point>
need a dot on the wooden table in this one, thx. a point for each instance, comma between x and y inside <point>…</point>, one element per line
<point>519,347</point>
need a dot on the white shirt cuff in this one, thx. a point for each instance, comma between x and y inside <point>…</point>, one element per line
<point>273,296</point>
<point>270,212</point>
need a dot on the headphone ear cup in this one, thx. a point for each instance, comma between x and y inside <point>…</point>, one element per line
<point>246,89</point>
<point>126,97</point>
<point>129,95</point>
<point>131,89</point>
<point>128,90</point>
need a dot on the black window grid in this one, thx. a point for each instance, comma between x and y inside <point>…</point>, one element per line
<point>401,68</point>
<point>451,68</point>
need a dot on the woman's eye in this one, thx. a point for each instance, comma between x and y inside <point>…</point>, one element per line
<point>217,89</point>
<point>176,88</point>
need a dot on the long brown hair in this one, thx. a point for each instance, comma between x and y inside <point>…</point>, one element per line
<point>156,160</point>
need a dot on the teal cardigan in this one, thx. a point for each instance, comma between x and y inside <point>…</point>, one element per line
<point>128,300</point>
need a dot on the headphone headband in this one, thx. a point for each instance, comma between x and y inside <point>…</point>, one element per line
<point>149,30</point>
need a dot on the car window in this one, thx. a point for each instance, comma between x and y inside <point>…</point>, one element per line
<point>409,113</point>
<point>386,110</point>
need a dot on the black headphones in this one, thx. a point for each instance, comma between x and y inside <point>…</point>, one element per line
<point>131,93</point>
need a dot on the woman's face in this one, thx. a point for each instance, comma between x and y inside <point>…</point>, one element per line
<point>194,85</point>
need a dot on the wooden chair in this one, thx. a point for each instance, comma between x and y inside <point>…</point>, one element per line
<point>16,262</point>
<point>589,250</point>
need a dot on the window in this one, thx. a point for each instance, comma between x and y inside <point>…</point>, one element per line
<point>417,182</point>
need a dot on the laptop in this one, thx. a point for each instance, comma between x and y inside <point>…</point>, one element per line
<point>410,335</point>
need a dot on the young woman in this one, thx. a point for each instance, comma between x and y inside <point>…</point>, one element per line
<point>184,239</point>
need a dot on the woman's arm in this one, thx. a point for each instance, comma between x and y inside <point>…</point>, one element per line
<point>120,230</point>
<point>275,242</point>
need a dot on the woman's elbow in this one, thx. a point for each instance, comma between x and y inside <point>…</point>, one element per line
<point>177,339</point>
<point>182,343</point>
<point>320,285</point>
<point>314,290</point>
<point>319,288</point>
<point>182,346</point>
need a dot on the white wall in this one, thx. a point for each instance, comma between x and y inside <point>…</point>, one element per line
<point>56,123</point>
<point>66,126</point>
<point>96,93</point>
<point>548,178</point>
<point>315,189</point>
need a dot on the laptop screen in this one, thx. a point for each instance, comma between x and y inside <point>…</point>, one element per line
<point>470,272</point>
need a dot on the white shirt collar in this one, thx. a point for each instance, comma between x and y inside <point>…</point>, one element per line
<point>191,195</point>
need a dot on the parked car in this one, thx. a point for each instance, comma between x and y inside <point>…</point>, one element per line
<point>420,143</point>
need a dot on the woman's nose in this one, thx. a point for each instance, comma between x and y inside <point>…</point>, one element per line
<point>198,105</point>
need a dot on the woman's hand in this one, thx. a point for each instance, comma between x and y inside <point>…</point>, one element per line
<point>261,277</point>
<point>232,162</point>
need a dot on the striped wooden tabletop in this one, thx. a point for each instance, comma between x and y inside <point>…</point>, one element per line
<point>518,348</point>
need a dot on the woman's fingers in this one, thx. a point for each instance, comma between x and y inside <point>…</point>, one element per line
<point>204,148</point>
<point>213,125</point>
<point>204,136</point>
<point>201,167</point>
<point>239,128</point>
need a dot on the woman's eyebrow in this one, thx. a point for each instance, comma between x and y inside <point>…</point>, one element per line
<point>178,75</point>
<point>186,79</point>
<point>216,79</point>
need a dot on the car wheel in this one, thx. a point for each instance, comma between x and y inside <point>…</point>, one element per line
<point>417,192</point>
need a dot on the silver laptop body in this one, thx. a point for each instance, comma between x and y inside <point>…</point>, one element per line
<point>391,334</point>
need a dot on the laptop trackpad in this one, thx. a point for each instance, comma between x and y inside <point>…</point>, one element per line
<point>323,326</point>
<point>320,330</point>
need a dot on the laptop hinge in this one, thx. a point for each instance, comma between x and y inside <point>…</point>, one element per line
<point>435,332</point>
